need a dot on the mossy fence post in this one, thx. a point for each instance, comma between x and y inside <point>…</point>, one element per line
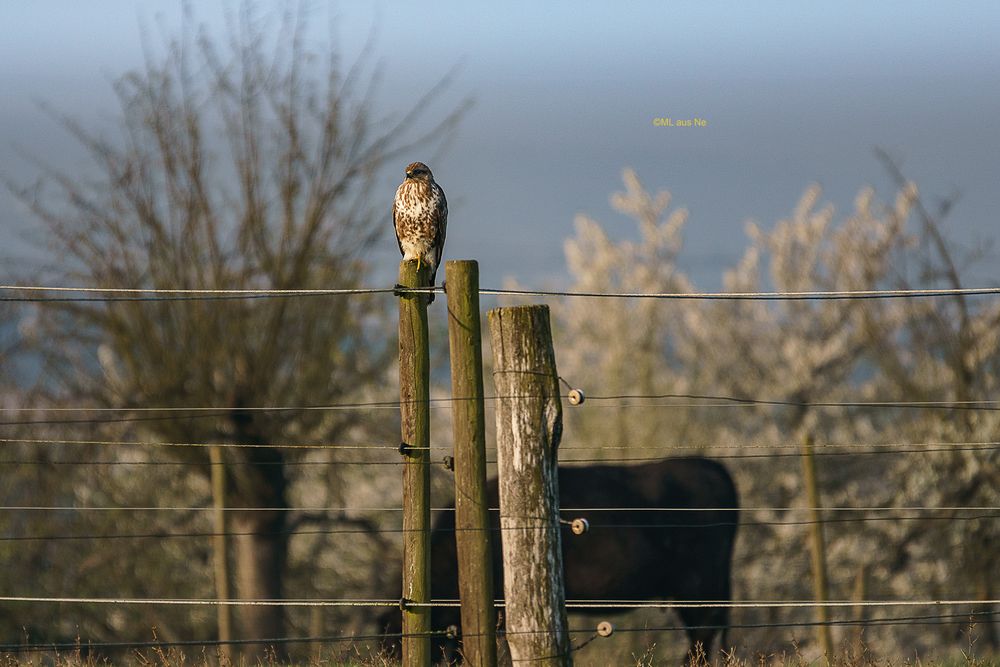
<point>414,408</point>
<point>472,535</point>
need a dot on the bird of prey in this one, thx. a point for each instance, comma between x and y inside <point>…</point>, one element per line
<point>420,214</point>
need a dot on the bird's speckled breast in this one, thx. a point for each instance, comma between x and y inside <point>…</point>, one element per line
<point>416,220</point>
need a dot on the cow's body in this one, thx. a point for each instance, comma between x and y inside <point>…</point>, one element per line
<point>627,554</point>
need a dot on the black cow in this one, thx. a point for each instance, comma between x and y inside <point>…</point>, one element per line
<point>626,555</point>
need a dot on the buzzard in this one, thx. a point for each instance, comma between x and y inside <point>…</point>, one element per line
<point>420,214</point>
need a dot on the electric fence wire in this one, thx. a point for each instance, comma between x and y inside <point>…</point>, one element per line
<point>542,525</point>
<point>923,619</point>
<point>721,400</point>
<point>565,510</point>
<point>445,603</point>
<point>161,294</point>
<point>571,459</point>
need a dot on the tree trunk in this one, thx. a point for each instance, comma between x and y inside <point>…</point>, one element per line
<point>260,541</point>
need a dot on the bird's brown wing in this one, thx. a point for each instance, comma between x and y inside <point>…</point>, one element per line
<point>442,225</point>
<point>395,226</point>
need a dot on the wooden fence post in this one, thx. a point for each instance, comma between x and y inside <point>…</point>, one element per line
<point>472,521</point>
<point>529,426</point>
<point>821,589</point>
<point>220,563</point>
<point>859,594</point>
<point>414,397</point>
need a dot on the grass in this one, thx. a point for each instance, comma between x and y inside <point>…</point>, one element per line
<point>363,656</point>
<point>177,658</point>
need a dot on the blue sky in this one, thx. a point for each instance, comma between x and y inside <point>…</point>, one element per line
<point>565,94</point>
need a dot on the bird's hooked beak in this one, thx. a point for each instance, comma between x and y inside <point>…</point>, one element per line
<point>409,174</point>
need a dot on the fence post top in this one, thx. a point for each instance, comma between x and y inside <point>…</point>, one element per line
<point>496,312</point>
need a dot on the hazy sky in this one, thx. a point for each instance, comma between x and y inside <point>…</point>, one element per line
<point>565,96</point>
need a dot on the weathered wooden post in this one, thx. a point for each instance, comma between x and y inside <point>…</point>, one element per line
<point>414,408</point>
<point>475,560</point>
<point>821,590</point>
<point>529,426</point>
<point>220,563</point>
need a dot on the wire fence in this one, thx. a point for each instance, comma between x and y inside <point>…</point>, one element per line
<point>683,518</point>
<point>923,619</point>
<point>160,294</point>
<point>452,603</point>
